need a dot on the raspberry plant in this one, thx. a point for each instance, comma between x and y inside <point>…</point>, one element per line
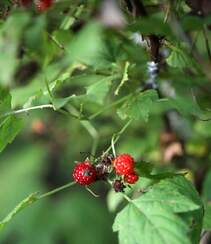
<point>127,84</point>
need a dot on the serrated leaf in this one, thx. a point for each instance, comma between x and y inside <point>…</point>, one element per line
<point>175,193</point>
<point>141,223</point>
<point>152,218</point>
<point>23,204</point>
<point>5,100</point>
<point>207,218</point>
<point>138,106</point>
<point>9,128</point>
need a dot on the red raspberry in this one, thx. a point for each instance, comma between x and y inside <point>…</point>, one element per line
<point>131,178</point>
<point>123,164</point>
<point>43,5</point>
<point>84,173</point>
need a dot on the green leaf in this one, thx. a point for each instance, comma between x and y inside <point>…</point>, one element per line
<point>10,38</point>
<point>206,186</point>
<point>138,107</point>
<point>143,168</point>
<point>9,128</point>
<point>61,102</point>
<point>152,218</point>
<point>86,45</point>
<point>178,59</point>
<point>147,26</point>
<point>207,218</point>
<point>175,193</point>
<point>190,23</point>
<point>139,222</point>
<point>194,220</point>
<point>98,91</point>
<point>5,100</point>
<point>183,104</point>
<point>23,204</point>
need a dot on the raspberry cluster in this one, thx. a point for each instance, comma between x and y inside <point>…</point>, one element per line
<point>119,169</point>
<point>41,5</point>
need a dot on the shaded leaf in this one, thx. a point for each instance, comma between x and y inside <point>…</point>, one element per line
<point>138,107</point>
<point>5,100</point>
<point>9,41</point>
<point>207,218</point>
<point>178,59</point>
<point>143,168</point>
<point>87,44</point>
<point>194,220</point>
<point>9,128</point>
<point>147,26</point>
<point>98,91</point>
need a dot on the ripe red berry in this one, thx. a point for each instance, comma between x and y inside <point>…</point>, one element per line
<point>43,5</point>
<point>84,173</point>
<point>123,164</point>
<point>131,178</point>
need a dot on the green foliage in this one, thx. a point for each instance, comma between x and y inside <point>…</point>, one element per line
<point>87,45</point>
<point>9,128</point>
<point>138,106</point>
<point>9,40</point>
<point>5,101</point>
<point>98,91</point>
<point>207,218</point>
<point>157,210</point>
<point>80,75</point>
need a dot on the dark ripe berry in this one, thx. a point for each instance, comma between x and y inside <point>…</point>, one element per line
<point>104,166</point>
<point>118,186</point>
<point>131,178</point>
<point>124,164</point>
<point>84,173</point>
<point>43,5</point>
<point>25,3</point>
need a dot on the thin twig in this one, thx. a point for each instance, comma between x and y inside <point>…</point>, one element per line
<point>24,110</point>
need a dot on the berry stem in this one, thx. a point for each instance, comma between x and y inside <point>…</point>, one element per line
<point>117,135</point>
<point>56,190</point>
